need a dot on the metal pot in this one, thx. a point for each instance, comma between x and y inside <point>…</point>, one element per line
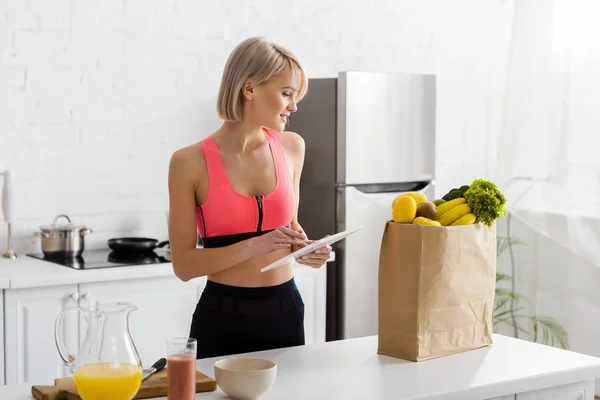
<point>63,241</point>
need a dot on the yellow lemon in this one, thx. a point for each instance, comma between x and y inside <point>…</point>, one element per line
<point>418,196</point>
<point>405,210</point>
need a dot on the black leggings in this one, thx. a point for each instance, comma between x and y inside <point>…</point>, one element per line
<point>232,319</point>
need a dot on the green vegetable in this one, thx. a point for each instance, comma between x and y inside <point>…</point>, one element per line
<point>453,194</point>
<point>456,193</point>
<point>486,201</point>
<point>437,202</point>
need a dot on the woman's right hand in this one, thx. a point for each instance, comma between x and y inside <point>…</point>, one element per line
<point>281,238</point>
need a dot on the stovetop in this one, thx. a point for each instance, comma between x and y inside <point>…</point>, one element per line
<point>105,258</point>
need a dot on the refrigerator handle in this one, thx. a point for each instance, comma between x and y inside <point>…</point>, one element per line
<point>396,187</point>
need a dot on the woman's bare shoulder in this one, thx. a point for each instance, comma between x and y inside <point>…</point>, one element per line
<point>188,160</point>
<point>191,154</point>
<point>292,142</point>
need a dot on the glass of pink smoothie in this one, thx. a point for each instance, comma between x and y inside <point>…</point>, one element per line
<point>181,368</point>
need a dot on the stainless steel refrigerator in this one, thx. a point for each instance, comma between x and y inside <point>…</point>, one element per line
<point>369,137</point>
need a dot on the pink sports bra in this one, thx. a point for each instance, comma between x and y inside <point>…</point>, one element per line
<point>227,217</point>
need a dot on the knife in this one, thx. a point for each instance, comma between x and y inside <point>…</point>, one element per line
<point>157,366</point>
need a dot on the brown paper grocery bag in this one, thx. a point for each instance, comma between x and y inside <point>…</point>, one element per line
<point>436,289</point>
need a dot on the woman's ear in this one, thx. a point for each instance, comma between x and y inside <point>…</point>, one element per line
<point>248,90</point>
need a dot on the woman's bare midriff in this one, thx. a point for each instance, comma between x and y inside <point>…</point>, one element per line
<point>247,273</point>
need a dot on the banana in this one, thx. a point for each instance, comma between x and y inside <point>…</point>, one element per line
<point>447,206</point>
<point>425,221</point>
<point>465,220</point>
<point>454,214</point>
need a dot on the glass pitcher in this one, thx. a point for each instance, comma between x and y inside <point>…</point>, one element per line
<point>107,365</point>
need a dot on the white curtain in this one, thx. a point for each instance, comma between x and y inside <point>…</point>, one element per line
<point>549,149</point>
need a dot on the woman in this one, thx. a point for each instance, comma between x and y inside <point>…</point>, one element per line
<point>239,189</point>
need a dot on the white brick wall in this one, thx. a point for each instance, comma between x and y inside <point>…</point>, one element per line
<point>96,95</point>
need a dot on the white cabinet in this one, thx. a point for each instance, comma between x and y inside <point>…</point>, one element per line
<point>164,309</point>
<point>30,350</point>
<point>1,337</point>
<point>573,391</point>
<point>312,284</point>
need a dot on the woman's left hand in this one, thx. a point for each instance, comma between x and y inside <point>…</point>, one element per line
<point>317,258</point>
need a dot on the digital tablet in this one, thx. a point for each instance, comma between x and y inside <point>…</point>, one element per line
<point>326,241</point>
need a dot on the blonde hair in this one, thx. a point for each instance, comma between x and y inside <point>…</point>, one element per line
<point>257,59</point>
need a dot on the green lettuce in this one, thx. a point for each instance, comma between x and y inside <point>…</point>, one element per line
<point>486,201</point>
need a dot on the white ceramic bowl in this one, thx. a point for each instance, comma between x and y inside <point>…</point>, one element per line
<point>244,378</point>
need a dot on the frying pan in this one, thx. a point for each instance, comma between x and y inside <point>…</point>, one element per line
<point>135,244</point>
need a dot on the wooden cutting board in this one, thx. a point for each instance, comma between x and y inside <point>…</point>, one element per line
<point>154,386</point>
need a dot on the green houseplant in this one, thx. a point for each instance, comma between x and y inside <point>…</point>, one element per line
<point>507,309</point>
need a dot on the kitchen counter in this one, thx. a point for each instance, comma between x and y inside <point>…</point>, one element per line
<point>352,369</point>
<point>28,272</point>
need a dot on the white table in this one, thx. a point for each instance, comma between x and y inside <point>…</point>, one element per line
<point>352,369</point>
